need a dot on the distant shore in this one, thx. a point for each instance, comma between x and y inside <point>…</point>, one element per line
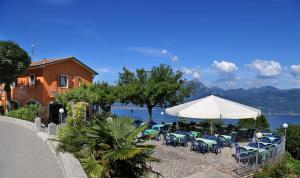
<point>120,107</point>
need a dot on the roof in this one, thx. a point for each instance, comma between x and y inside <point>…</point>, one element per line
<point>45,62</point>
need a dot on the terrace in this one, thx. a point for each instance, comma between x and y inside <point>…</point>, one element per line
<point>185,152</point>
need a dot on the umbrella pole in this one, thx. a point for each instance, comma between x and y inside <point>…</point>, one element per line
<point>211,127</point>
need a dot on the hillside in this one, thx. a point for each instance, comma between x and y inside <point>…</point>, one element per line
<point>269,99</point>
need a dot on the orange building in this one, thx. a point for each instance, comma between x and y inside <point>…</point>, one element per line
<point>44,79</point>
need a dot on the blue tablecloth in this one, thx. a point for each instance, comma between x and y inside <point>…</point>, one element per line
<point>157,126</point>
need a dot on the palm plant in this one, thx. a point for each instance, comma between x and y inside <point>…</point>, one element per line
<point>108,149</point>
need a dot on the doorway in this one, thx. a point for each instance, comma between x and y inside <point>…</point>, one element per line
<point>54,113</point>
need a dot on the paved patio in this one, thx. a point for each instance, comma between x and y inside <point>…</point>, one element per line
<point>178,162</point>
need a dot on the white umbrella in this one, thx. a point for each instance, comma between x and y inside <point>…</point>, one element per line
<point>213,107</point>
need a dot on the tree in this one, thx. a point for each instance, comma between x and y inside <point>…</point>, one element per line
<point>161,86</point>
<point>292,140</point>
<point>13,62</point>
<point>103,94</point>
<point>260,123</point>
<point>107,148</point>
<point>100,93</point>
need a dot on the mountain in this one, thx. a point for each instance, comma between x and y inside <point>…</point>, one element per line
<point>269,99</point>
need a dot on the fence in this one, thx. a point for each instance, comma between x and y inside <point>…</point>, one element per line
<point>250,161</point>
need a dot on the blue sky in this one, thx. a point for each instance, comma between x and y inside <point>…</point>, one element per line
<point>224,43</point>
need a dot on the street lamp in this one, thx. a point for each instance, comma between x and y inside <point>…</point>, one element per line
<point>255,118</point>
<point>61,111</point>
<point>258,137</point>
<point>162,115</point>
<point>109,119</point>
<point>285,126</point>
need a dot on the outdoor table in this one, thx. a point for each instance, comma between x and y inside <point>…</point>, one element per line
<point>268,134</point>
<point>179,137</point>
<point>262,152</point>
<point>227,137</point>
<point>266,144</point>
<point>150,132</point>
<point>224,125</point>
<point>207,141</point>
<point>198,127</point>
<point>272,138</point>
<point>243,129</point>
<point>157,126</point>
<point>195,134</point>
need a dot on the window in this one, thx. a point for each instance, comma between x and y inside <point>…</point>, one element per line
<point>63,81</point>
<point>31,79</point>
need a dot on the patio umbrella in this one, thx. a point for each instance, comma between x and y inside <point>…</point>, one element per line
<point>213,107</point>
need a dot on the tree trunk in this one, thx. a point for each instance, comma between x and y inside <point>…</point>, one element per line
<point>8,95</point>
<point>150,112</point>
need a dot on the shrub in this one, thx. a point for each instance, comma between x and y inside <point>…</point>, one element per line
<point>28,112</point>
<point>107,148</point>
<point>292,140</point>
<point>287,167</point>
<point>261,123</point>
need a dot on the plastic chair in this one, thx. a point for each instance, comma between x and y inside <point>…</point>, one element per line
<point>266,140</point>
<point>202,147</point>
<point>216,148</point>
<point>167,140</point>
<point>174,141</point>
<point>184,141</point>
<point>241,154</point>
<point>194,146</point>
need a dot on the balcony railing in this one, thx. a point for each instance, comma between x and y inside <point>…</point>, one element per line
<point>248,162</point>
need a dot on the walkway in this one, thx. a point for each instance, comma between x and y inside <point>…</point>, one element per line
<point>23,154</point>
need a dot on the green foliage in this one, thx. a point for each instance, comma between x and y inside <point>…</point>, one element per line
<point>261,123</point>
<point>287,167</point>
<point>161,86</point>
<point>108,149</point>
<point>13,62</point>
<point>28,112</point>
<point>100,93</point>
<point>292,140</point>
<point>76,113</point>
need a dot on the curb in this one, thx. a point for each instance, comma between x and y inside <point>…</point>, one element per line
<point>69,165</point>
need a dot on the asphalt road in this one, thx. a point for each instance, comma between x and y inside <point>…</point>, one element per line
<point>24,155</point>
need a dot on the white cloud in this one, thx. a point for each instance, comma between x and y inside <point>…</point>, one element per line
<point>175,59</point>
<point>226,70</point>
<point>155,52</point>
<point>103,70</point>
<point>224,66</point>
<point>295,70</point>
<point>265,68</point>
<point>193,72</point>
<point>164,51</point>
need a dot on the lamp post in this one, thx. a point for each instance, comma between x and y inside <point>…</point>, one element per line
<point>258,137</point>
<point>285,126</point>
<point>162,115</point>
<point>255,118</point>
<point>61,111</point>
<point>109,119</point>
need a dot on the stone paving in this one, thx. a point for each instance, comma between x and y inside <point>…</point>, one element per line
<point>179,162</point>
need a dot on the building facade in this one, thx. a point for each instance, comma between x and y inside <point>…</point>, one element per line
<point>46,78</point>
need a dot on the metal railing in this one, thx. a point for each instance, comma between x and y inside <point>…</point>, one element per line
<point>250,161</point>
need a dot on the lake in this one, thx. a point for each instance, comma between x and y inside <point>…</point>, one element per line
<point>275,121</point>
